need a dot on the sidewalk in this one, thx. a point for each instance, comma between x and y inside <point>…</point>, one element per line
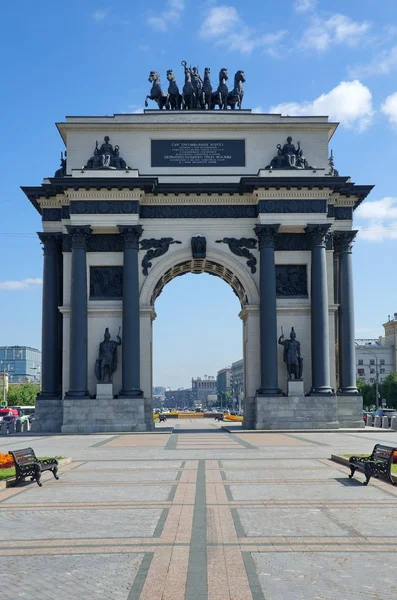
<point>199,514</point>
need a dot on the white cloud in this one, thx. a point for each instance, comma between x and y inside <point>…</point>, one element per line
<point>101,14</point>
<point>23,284</point>
<point>304,5</point>
<point>224,25</point>
<point>171,15</point>
<point>382,64</point>
<point>389,108</point>
<point>338,29</point>
<point>380,219</point>
<point>350,102</point>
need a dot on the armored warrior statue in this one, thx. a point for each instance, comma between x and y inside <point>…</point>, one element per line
<point>106,363</point>
<point>292,355</point>
<point>106,157</point>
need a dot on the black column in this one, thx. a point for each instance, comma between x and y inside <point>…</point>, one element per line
<point>343,241</point>
<point>266,235</point>
<point>78,318</point>
<point>321,379</point>
<point>131,322</point>
<point>50,341</point>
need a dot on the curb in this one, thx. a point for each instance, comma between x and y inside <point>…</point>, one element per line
<point>8,483</point>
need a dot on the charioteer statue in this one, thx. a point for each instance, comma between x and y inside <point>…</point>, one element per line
<point>106,363</point>
<point>292,355</point>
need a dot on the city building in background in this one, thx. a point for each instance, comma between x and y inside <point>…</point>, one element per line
<point>22,363</point>
<point>376,358</point>
<point>237,382</point>
<point>158,395</point>
<point>223,384</point>
<point>202,388</point>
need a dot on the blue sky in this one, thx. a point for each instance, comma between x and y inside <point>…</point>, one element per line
<point>299,56</point>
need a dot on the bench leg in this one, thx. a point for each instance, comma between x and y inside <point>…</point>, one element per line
<point>37,475</point>
<point>353,470</point>
<point>55,472</point>
<point>367,480</point>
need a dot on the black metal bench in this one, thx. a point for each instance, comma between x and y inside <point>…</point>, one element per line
<point>28,465</point>
<point>379,464</point>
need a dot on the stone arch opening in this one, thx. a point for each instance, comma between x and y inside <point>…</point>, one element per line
<point>217,264</point>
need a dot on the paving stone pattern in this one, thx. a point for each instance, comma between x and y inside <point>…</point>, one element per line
<point>199,514</point>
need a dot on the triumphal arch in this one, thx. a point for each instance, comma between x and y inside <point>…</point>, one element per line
<point>142,198</point>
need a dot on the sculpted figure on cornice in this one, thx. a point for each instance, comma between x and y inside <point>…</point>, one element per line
<point>197,93</point>
<point>61,172</point>
<point>106,157</point>
<point>289,156</point>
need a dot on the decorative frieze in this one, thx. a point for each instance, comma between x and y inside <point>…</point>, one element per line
<point>101,207</point>
<point>292,206</point>
<point>205,211</point>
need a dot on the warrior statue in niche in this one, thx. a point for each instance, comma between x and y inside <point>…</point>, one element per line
<point>292,355</point>
<point>106,363</point>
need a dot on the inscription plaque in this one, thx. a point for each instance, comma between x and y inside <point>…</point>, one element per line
<point>198,153</point>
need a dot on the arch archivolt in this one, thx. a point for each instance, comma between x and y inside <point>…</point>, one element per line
<point>216,263</point>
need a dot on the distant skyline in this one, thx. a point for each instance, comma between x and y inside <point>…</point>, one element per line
<point>300,57</point>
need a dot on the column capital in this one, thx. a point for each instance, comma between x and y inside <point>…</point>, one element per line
<point>51,241</point>
<point>318,233</point>
<point>343,240</point>
<point>131,235</point>
<point>266,234</point>
<point>79,235</point>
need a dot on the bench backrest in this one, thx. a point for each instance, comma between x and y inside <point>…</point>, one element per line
<point>383,453</point>
<point>22,457</point>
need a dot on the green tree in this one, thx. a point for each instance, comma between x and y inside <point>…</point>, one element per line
<point>388,390</point>
<point>367,391</point>
<point>23,395</point>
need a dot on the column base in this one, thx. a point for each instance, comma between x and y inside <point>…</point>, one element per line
<point>48,415</point>
<point>347,391</point>
<point>78,394</point>
<point>269,392</point>
<point>105,415</point>
<point>130,394</point>
<point>322,391</point>
<point>49,396</point>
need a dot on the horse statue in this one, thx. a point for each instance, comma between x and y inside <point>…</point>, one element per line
<point>219,98</point>
<point>236,95</point>
<point>207,88</point>
<point>174,96</point>
<point>188,95</point>
<point>156,93</point>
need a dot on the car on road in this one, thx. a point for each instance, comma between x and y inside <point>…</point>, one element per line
<point>386,412</point>
<point>366,414</point>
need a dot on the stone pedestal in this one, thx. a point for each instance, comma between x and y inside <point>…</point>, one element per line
<point>48,415</point>
<point>295,387</point>
<point>104,391</point>
<point>295,412</point>
<point>106,415</point>
<point>350,410</point>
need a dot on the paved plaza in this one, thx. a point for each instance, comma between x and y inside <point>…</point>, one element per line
<point>197,514</point>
